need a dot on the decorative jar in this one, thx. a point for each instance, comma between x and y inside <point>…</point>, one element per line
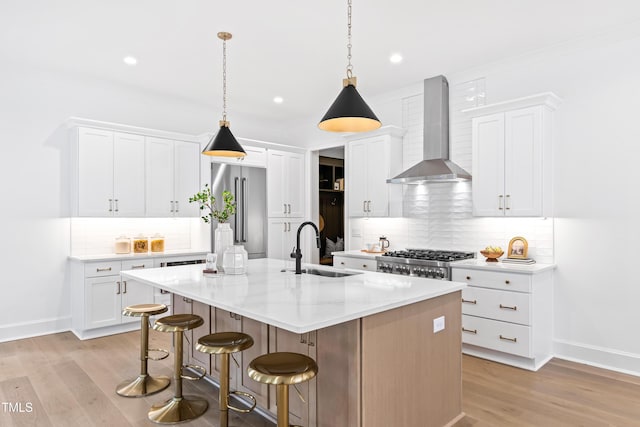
<point>140,244</point>
<point>223,238</point>
<point>123,245</point>
<point>235,260</point>
<point>157,243</point>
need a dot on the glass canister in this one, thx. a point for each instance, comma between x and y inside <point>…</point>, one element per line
<point>157,243</point>
<point>140,244</point>
<point>235,260</point>
<point>123,245</point>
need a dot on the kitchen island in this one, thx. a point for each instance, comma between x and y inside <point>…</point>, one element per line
<point>380,361</point>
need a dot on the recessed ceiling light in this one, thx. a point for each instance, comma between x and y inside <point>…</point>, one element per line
<point>395,58</point>
<point>278,100</point>
<point>130,60</point>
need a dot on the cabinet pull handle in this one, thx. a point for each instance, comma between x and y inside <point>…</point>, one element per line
<point>507,282</point>
<point>364,206</point>
<point>341,262</point>
<point>116,201</point>
<point>110,205</point>
<point>124,282</point>
<point>118,291</point>
<point>162,291</point>
<point>187,300</point>
<point>508,339</point>
<point>237,316</point>
<point>231,315</point>
<point>500,202</point>
<point>133,267</point>
<point>103,269</point>
<point>172,209</point>
<point>369,206</point>
<point>468,277</point>
<point>289,226</point>
<point>364,265</point>
<point>177,207</point>
<point>285,227</point>
<point>471,331</point>
<point>289,208</point>
<point>469,301</point>
<point>507,203</point>
<point>303,340</point>
<point>506,307</point>
<point>285,208</point>
<point>311,343</point>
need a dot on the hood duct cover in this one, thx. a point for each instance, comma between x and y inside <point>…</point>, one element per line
<point>436,166</point>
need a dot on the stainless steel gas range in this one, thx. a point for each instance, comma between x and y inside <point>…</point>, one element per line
<point>421,262</point>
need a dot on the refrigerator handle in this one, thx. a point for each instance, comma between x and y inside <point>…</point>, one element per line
<point>235,217</point>
<point>244,209</point>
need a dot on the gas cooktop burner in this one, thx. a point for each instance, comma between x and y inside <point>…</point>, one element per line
<point>431,255</point>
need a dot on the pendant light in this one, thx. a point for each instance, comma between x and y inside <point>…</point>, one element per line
<point>224,143</point>
<point>349,112</point>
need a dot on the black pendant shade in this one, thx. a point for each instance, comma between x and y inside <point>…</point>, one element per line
<point>349,113</point>
<point>224,144</point>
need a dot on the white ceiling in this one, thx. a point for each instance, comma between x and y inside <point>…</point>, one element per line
<point>294,49</point>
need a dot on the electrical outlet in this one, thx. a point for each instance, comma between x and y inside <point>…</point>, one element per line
<point>438,324</point>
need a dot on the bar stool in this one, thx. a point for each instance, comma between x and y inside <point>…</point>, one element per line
<point>179,408</point>
<point>144,384</point>
<point>225,344</point>
<point>282,369</point>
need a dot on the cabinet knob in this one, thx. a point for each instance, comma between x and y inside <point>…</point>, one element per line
<point>364,265</point>
<point>342,263</point>
<point>468,277</point>
<point>507,282</point>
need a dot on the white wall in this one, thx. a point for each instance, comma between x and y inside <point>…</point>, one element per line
<point>34,167</point>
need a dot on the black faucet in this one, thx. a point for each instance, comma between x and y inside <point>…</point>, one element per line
<point>296,253</point>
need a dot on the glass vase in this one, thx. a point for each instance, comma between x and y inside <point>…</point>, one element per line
<point>235,260</point>
<point>223,238</point>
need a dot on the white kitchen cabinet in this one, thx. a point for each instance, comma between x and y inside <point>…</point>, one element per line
<point>282,239</point>
<point>371,159</point>
<point>512,157</point>
<point>108,175</point>
<point>285,184</point>
<point>173,175</point>
<point>507,315</point>
<point>355,263</point>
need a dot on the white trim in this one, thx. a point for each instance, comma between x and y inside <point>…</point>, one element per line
<point>390,130</point>
<point>18,331</point>
<point>600,357</point>
<point>88,334</point>
<point>96,124</point>
<point>532,364</point>
<point>547,99</point>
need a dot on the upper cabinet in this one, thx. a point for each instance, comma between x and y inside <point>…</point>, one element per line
<point>173,176</point>
<point>512,157</point>
<point>108,173</point>
<point>285,184</point>
<point>371,159</point>
<point>120,170</point>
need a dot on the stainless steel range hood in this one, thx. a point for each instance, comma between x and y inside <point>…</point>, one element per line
<point>436,166</point>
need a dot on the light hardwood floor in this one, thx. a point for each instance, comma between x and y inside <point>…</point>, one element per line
<point>72,383</point>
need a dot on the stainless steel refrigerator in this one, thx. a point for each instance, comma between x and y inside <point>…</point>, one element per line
<point>249,188</point>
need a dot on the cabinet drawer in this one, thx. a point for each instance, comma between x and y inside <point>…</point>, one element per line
<point>355,263</point>
<point>514,307</point>
<point>491,279</point>
<point>137,264</point>
<point>497,335</point>
<point>97,269</point>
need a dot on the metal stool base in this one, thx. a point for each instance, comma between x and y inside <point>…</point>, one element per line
<point>143,385</point>
<point>178,410</point>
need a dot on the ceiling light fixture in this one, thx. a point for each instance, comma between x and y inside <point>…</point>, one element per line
<point>224,143</point>
<point>396,58</point>
<point>278,100</point>
<point>349,112</point>
<point>130,60</point>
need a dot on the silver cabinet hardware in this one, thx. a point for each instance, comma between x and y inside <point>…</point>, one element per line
<point>133,267</point>
<point>368,205</point>
<point>187,300</point>
<point>244,215</point>
<point>177,207</point>
<point>506,307</point>
<point>118,291</point>
<point>162,291</point>
<point>469,301</point>
<point>285,208</point>
<point>103,269</point>
<point>116,202</point>
<point>231,315</point>
<point>285,227</point>
<point>364,206</point>
<point>289,208</point>
<point>471,331</point>
<point>172,208</point>
<point>303,339</point>
<point>110,205</point>
<point>311,343</point>
<point>508,339</point>
<point>237,316</point>
<point>500,200</point>
<point>507,203</point>
<point>124,282</point>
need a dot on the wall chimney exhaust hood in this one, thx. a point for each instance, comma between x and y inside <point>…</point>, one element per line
<point>436,166</point>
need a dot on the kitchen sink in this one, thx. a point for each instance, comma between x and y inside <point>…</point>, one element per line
<point>328,273</point>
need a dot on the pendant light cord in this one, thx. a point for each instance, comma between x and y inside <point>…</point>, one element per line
<point>224,80</point>
<point>349,66</point>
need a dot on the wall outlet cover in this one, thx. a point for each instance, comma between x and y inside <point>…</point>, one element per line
<point>438,324</point>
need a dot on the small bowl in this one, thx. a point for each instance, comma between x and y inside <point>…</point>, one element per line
<point>492,256</point>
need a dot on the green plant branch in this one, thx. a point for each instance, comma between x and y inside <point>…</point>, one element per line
<point>207,201</point>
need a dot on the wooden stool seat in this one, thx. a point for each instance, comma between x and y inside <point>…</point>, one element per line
<point>140,310</point>
<point>282,369</point>
<point>178,323</point>
<point>144,384</point>
<point>224,342</point>
<point>179,408</point>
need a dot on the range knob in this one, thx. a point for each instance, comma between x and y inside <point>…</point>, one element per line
<point>441,274</point>
<point>406,270</point>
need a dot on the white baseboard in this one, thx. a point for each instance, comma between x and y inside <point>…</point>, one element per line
<point>600,357</point>
<point>35,328</point>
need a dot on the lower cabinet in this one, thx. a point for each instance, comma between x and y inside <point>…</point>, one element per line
<point>507,316</point>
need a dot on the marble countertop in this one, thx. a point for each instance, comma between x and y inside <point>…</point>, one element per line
<point>482,264</point>
<point>125,257</point>
<point>297,303</point>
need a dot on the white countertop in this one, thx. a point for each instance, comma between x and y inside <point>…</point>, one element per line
<point>482,264</point>
<point>356,254</point>
<point>297,303</point>
<point>124,257</point>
